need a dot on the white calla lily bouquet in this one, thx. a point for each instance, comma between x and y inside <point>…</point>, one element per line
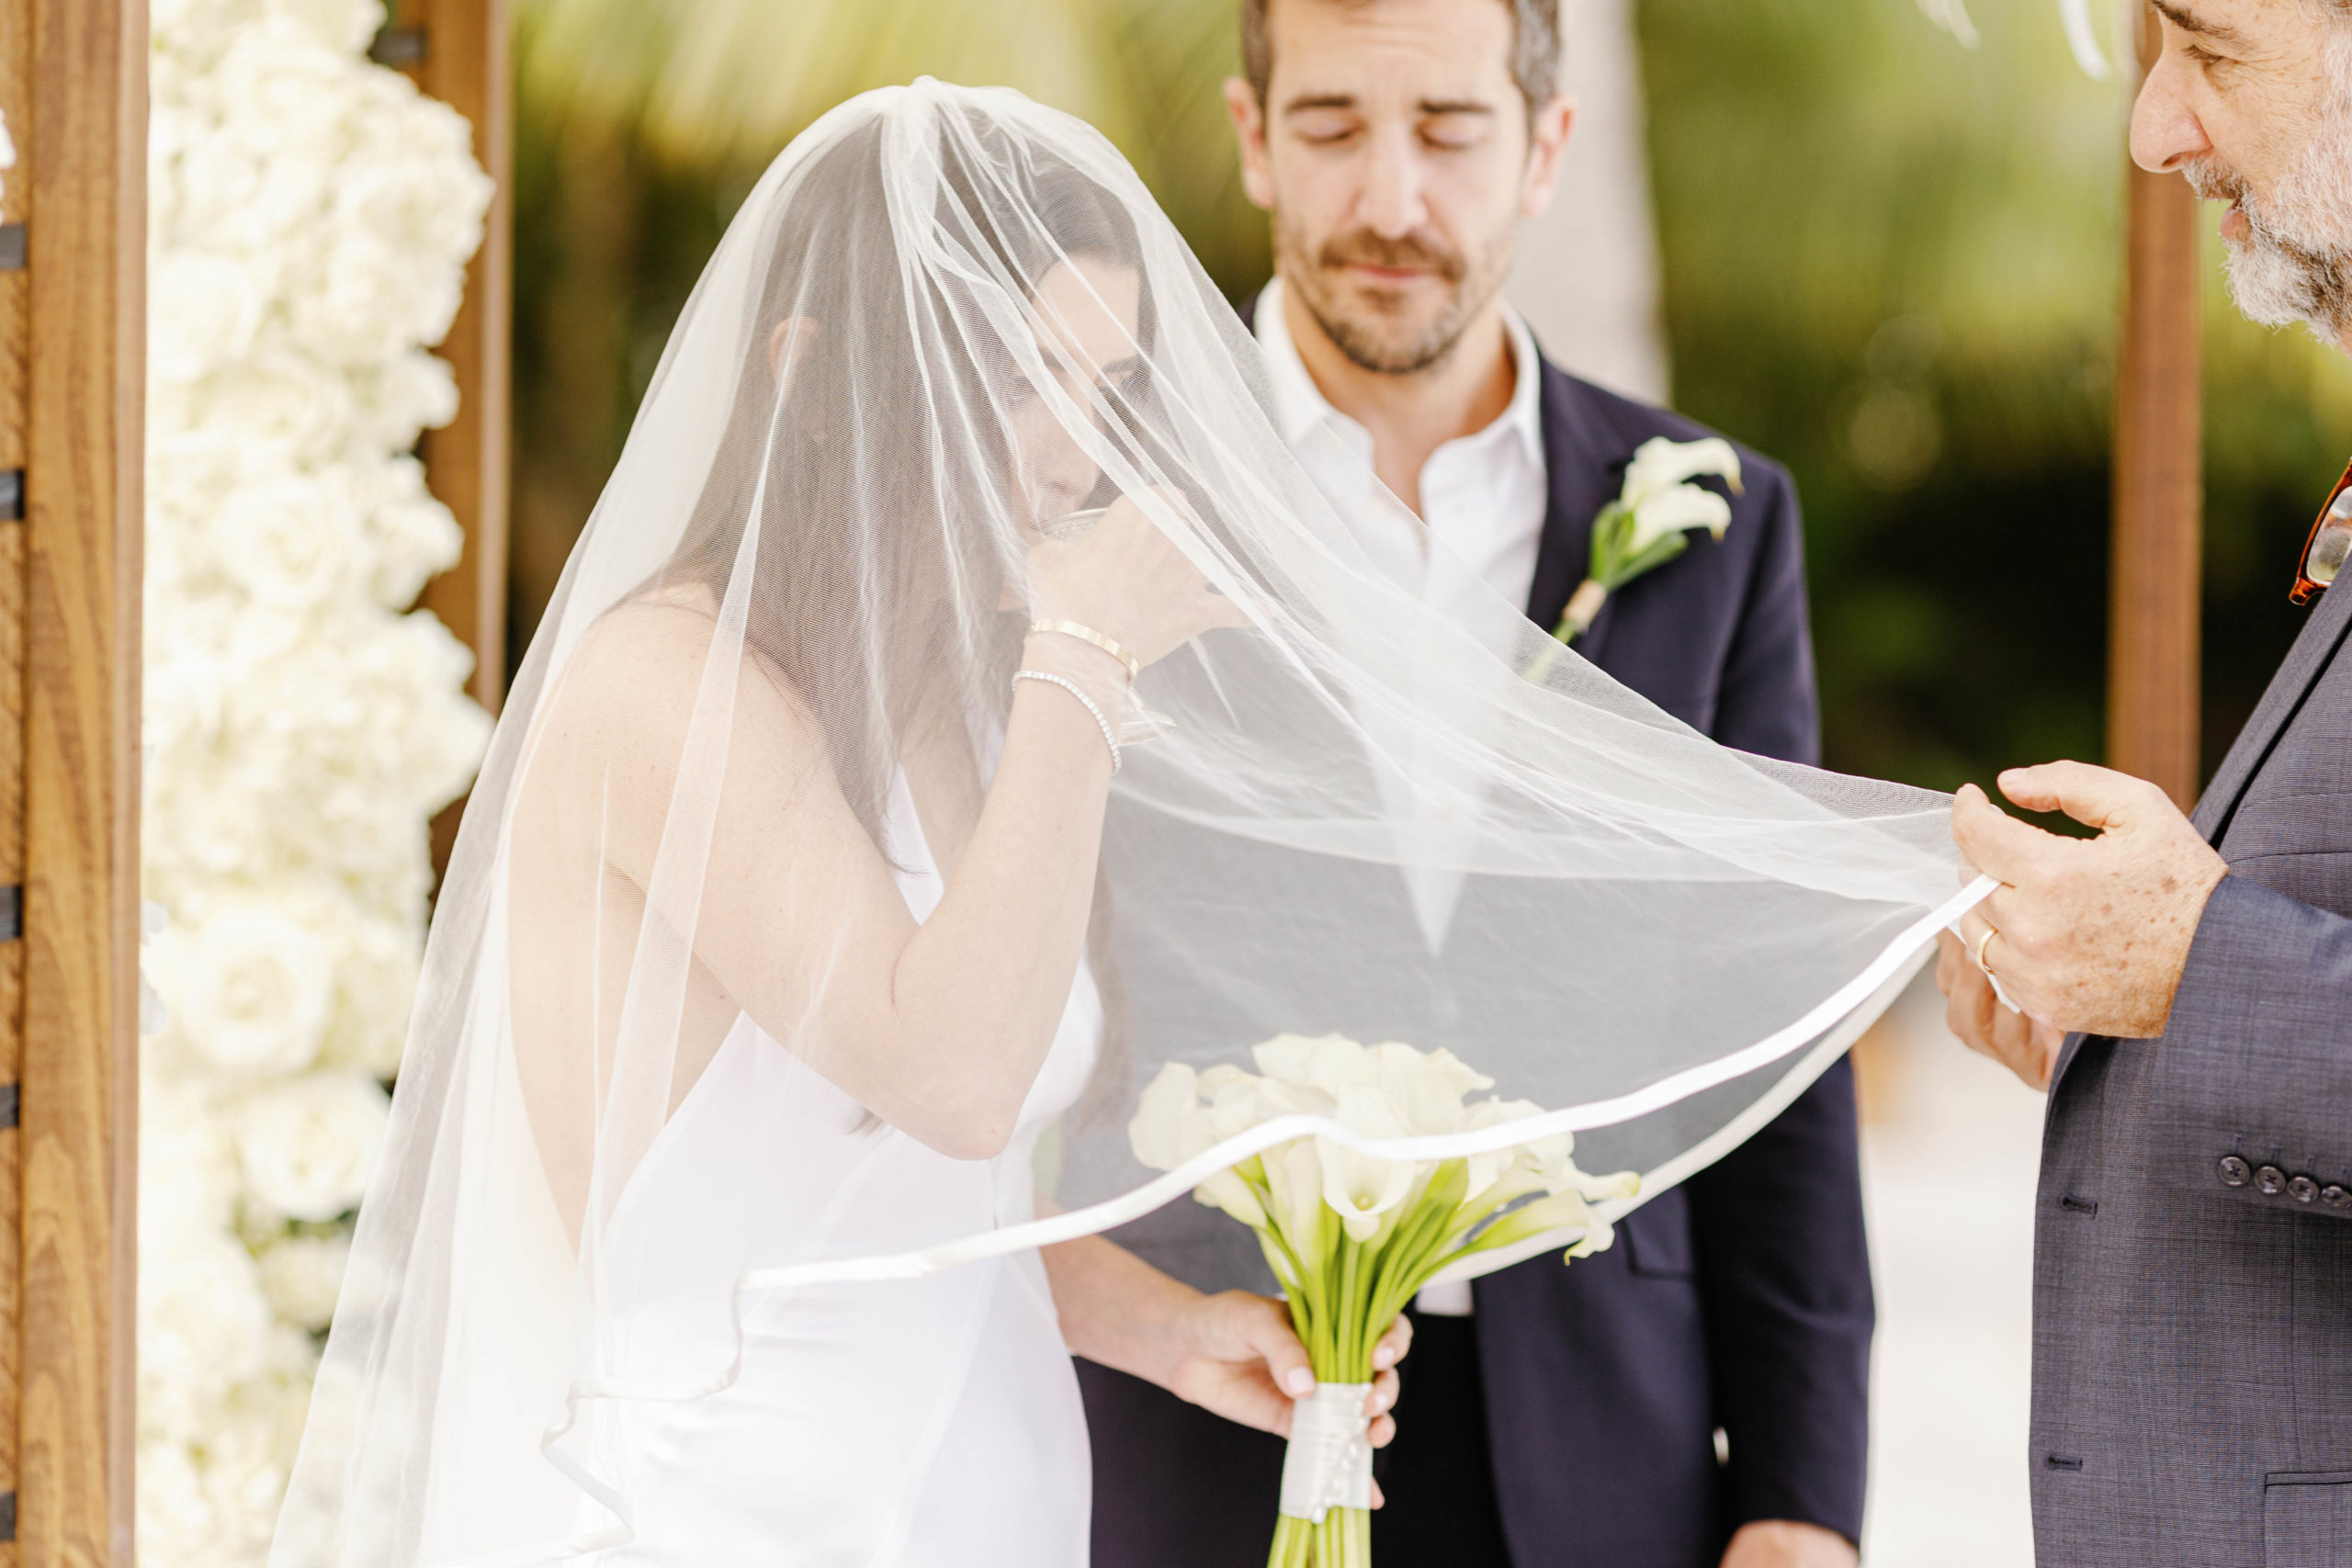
<point>1352,1238</point>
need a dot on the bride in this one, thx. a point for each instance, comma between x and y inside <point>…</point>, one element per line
<point>959,705</point>
<point>909,866</point>
<point>801,946</point>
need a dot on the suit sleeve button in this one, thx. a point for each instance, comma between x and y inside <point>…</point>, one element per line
<point>2302,1189</point>
<point>2269,1180</point>
<point>2335,1197</point>
<point>2235,1172</point>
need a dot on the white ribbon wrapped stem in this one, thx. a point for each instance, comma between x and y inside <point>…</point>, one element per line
<point>1329,1464</point>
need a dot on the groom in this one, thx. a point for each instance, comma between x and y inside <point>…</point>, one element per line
<point>1695,1395</point>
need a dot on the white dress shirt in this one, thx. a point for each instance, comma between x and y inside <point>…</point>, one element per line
<point>1483,495</point>
<point>1483,500</point>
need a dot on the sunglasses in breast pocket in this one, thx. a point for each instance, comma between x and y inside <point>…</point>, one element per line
<point>2331,542</point>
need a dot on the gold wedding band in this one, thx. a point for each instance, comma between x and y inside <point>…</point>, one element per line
<point>1991,931</point>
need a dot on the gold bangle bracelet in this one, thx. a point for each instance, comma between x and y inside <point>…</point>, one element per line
<point>1088,634</point>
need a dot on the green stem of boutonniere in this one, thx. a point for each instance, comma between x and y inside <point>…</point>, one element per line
<point>1583,604</point>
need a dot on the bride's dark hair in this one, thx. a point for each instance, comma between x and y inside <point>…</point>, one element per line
<point>878,628</point>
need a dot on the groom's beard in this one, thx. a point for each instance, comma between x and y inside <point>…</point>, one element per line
<point>1363,328</point>
<point>2295,263</point>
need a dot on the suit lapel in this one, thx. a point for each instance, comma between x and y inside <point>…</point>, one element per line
<point>2304,663</point>
<point>1581,467</point>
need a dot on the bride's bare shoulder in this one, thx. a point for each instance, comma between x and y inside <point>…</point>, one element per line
<point>641,666</point>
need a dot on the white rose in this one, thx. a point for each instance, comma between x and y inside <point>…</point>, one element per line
<point>411,535</point>
<point>375,987</point>
<point>343,26</point>
<point>248,1451</point>
<point>187,1163</point>
<point>190,473</point>
<point>203,310</point>
<point>174,1520</point>
<point>309,1145</point>
<point>364,302</point>
<point>285,399</point>
<point>302,1275</point>
<point>8,150</point>
<point>411,392</point>
<point>293,543</point>
<point>203,1321</point>
<point>250,989</point>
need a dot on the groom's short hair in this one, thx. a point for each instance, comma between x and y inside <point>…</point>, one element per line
<point>1534,50</point>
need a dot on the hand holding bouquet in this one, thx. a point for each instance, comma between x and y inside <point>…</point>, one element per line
<point>1353,1238</point>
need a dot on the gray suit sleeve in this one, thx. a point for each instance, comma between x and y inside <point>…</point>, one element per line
<point>2258,1049</point>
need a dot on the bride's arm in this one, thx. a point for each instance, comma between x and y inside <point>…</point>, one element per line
<point>1233,1353</point>
<point>939,1028</point>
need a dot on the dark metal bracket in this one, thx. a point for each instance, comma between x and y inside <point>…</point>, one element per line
<point>12,911</point>
<point>398,47</point>
<point>8,1515</point>
<point>12,495</point>
<point>12,247</point>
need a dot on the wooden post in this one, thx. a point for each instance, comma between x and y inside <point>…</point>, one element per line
<point>457,51</point>
<point>69,666</point>
<point>2152,616</point>
<point>16,343</point>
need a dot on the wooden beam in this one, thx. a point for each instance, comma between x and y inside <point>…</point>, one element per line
<point>2157,540</point>
<point>85,378</point>
<point>16,331</point>
<point>460,50</point>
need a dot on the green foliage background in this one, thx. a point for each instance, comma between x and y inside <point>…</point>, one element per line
<point>1891,262</point>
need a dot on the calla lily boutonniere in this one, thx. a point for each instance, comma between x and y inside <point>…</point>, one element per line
<point>1649,523</point>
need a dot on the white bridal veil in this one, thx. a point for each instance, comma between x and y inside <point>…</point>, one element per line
<point>833,483</point>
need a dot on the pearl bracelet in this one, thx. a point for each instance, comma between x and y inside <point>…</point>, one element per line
<point>1110,736</point>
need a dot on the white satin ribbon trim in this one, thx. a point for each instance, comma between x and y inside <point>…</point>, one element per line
<point>1329,1462</point>
<point>1171,1185</point>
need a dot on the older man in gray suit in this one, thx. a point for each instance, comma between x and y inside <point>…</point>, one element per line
<point>2192,1398</point>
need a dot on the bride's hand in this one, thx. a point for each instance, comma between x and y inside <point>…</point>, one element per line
<point>1242,1361</point>
<point>1128,581</point>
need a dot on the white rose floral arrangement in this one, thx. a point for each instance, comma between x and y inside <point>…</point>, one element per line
<point>310,216</point>
<point>1352,1239</point>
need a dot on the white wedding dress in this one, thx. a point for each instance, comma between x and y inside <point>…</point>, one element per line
<point>922,1423</point>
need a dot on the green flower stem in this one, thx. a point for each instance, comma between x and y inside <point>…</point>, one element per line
<point>1343,1294</point>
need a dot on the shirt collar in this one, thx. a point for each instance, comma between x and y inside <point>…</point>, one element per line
<point>1300,405</point>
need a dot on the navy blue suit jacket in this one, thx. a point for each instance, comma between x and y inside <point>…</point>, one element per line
<point>1739,1300</point>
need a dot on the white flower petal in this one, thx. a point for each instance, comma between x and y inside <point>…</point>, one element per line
<point>1677,509</point>
<point>1659,464</point>
<point>1156,1130</point>
<point>1228,1191</point>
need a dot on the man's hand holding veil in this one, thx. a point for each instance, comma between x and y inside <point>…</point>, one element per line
<point>2084,934</point>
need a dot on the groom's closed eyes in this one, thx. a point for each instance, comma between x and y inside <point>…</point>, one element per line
<point>1334,119</point>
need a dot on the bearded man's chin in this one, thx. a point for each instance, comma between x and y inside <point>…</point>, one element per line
<point>2275,288</point>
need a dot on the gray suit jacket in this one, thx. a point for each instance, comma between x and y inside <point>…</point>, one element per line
<point>2192,1289</point>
